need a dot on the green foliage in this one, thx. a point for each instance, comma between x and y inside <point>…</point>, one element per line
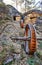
<point>2,4</point>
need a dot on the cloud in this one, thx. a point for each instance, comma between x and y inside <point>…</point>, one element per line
<point>7,1</point>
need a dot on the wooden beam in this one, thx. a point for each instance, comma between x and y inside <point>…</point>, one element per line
<point>23,38</point>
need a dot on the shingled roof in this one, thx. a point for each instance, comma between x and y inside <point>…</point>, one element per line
<point>13,10</point>
<point>34,10</point>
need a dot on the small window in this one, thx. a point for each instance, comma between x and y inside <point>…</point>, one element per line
<point>14,18</point>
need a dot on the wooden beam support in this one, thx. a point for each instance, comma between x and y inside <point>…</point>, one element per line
<point>23,38</point>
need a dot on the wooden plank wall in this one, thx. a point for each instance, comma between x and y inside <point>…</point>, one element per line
<point>31,18</point>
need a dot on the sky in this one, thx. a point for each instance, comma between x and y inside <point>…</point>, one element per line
<point>10,2</point>
<point>7,1</point>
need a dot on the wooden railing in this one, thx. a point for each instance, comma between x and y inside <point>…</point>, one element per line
<point>23,38</point>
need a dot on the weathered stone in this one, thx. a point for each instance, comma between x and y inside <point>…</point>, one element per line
<point>17,48</point>
<point>39,53</point>
<point>17,57</point>
<point>1,48</point>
